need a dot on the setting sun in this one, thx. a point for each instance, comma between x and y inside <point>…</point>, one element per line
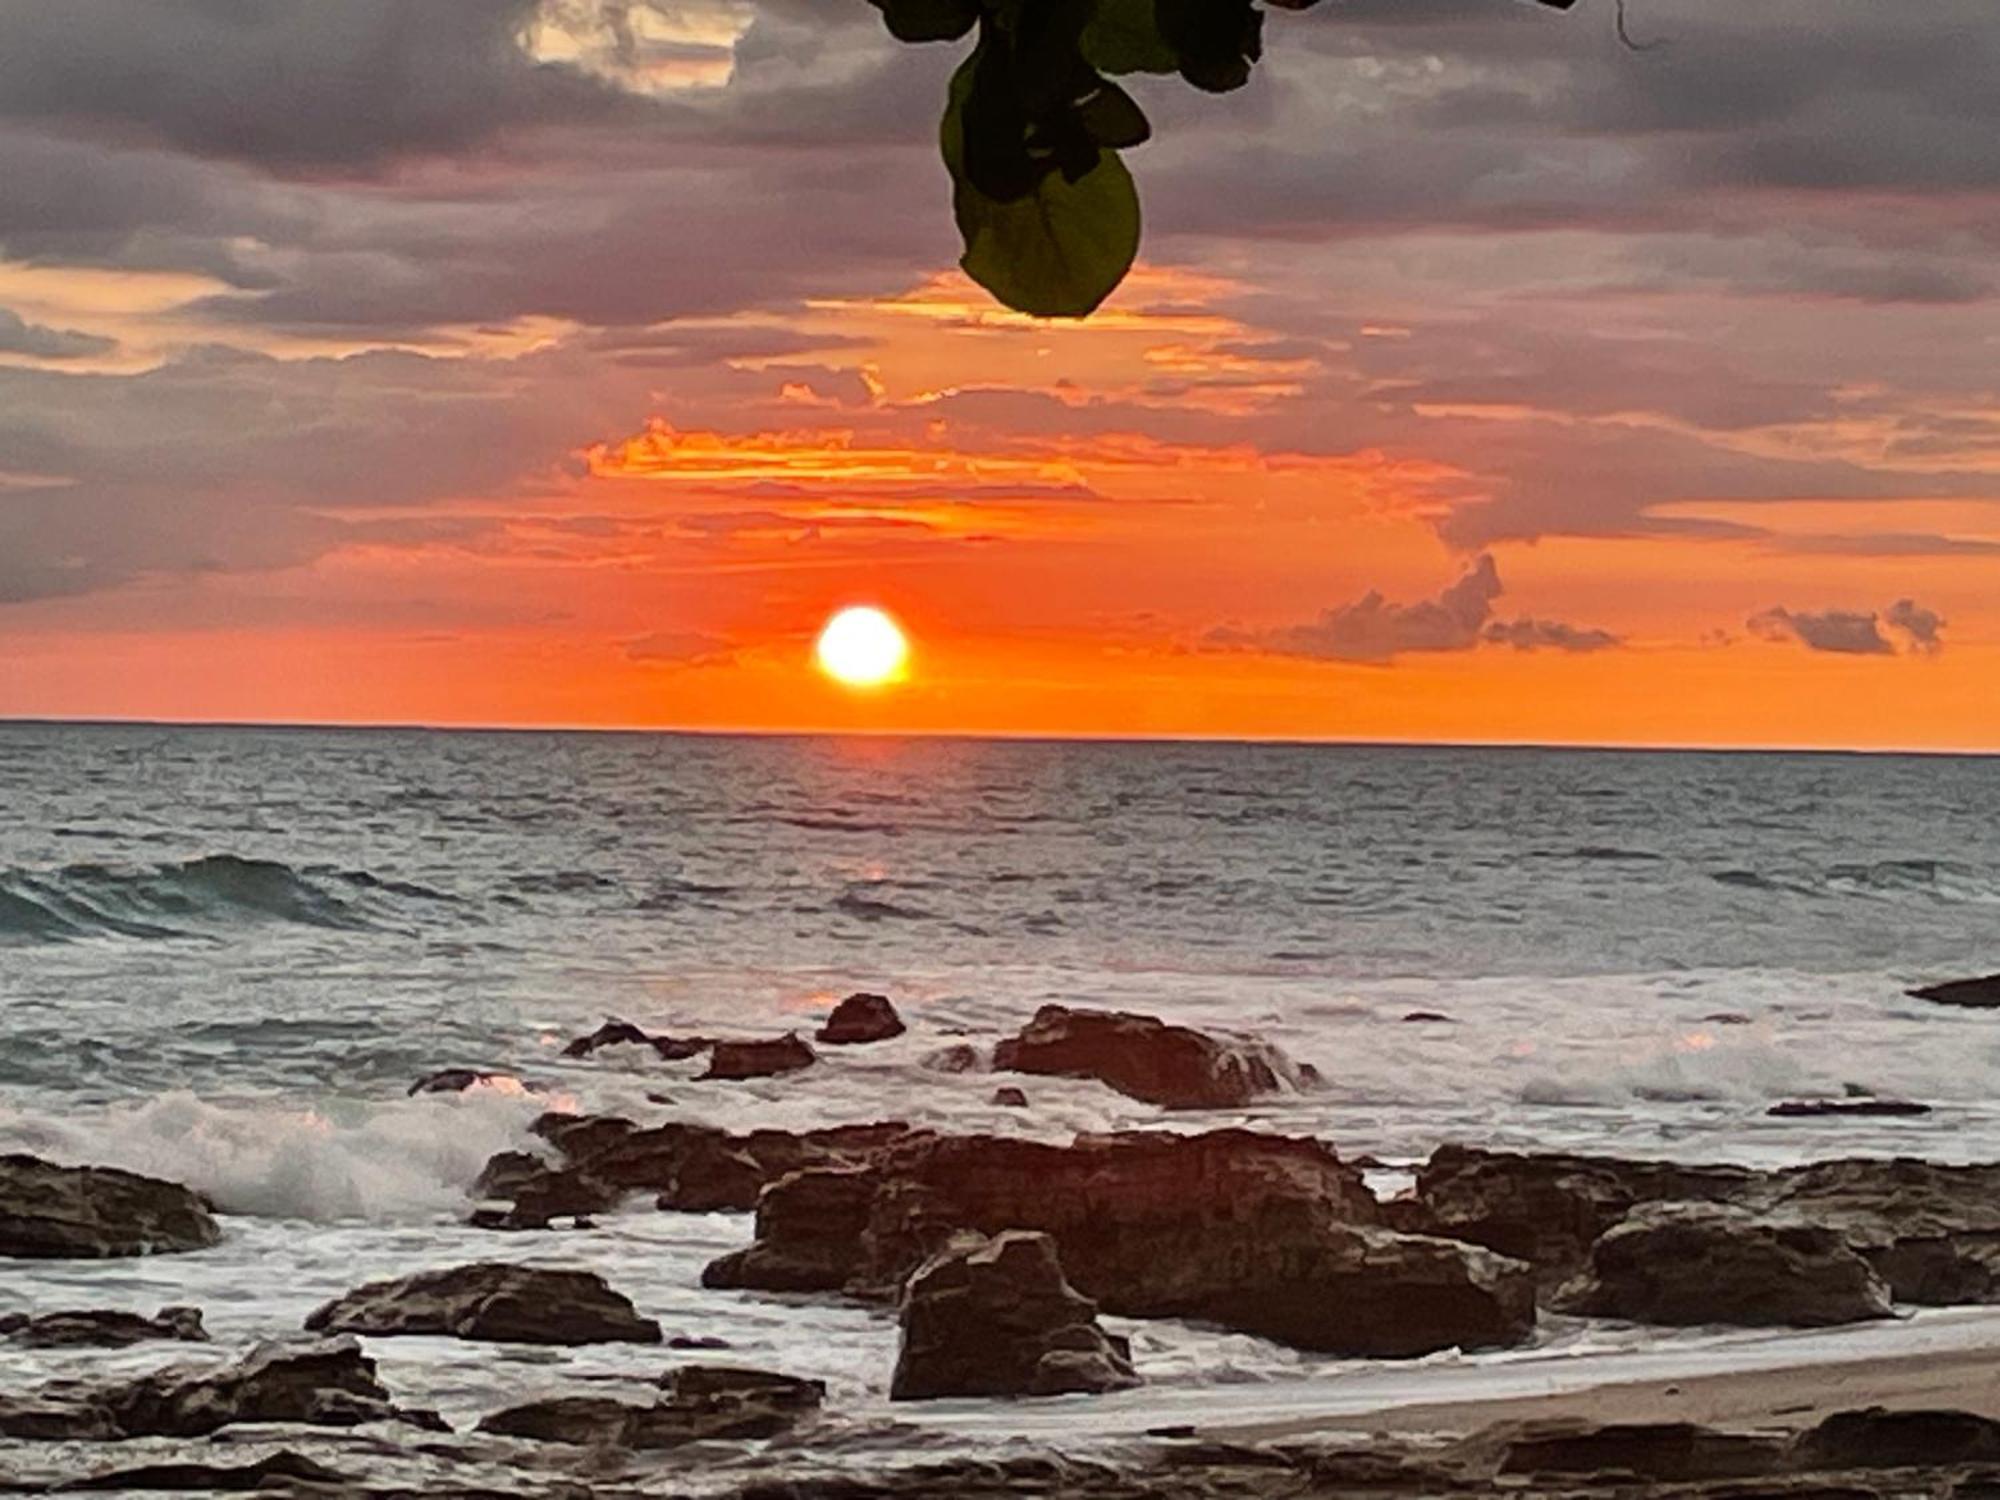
<point>862,646</point>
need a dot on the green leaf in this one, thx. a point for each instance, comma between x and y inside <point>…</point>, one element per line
<point>1056,252</point>
<point>1123,36</point>
<point>1112,119</point>
<point>928,20</point>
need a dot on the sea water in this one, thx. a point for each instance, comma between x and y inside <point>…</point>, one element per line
<point>226,954</point>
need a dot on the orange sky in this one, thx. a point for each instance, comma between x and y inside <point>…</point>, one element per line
<point>1593,477</point>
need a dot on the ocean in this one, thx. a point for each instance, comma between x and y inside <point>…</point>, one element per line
<point>226,954</point>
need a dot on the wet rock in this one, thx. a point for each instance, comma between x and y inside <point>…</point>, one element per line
<point>760,1059</point>
<point>994,1317</point>
<point>327,1383</point>
<point>860,1018</point>
<point>1700,1263</point>
<point>1931,1232</point>
<point>458,1080</point>
<point>1975,994</point>
<point>1262,1233</point>
<point>282,1470</point>
<point>491,1301</point>
<point>959,1057</point>
<point>1145,1058</point>
<point>1655,1452</point>
<point>705,1342</point>
<point>100,1329</point>
<point>617,1033</point>
<point>1427,1017</point>
<point>1875,1438</point>
<point>49,1212</point>
<point>1549,1209</point>
<point>1010,1098</point>
<point>1850,1107</point>
<point>702,1402</point>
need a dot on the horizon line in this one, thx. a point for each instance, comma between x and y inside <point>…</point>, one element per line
<point>365,726</point>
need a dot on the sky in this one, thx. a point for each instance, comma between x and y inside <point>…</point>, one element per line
<point>1484,378</point>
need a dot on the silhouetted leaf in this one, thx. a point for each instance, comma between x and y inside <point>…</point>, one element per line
<point>928,20</point>
<point>1123,36</point>
<point>1112,119</point>
<point>1216,40</point>
<point>1057,250</point>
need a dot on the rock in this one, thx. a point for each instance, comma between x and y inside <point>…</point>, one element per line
<point>51,1212</point>
<point>617,1033</point>
<point>704,1342</point>
<point>1655,1452</point>
<point>760,1059</point>
<point>1174,1067</point>
<point>994,1317</point>
<point>458,1080</point>
<point>1010,1098</point>
<point>959,1057</point>
<point>1265,1234</point>
<point>1975,994</point>
<point>1931,1232</point>
<point>860,1018</point>
<point>1809,1109</point>
<point>1875,1438</point>
<point>1548,1210</point>
<point>1427,1017</point>
<point>95,1329</point>
<point>282,1470</point>
<point>327,1383</point>
<point>491,1301</point>
<point>703,1402</point>
<point>1709,1263</point>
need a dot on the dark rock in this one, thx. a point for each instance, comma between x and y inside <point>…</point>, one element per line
<point>458,1080</point>
<point>94,1329</point>
<point>1976,994</point>
<point>1699,1263</point>
<point>52,1212</point>
<point>1659,1453</point>
<point>491,1301</point>
<point>994,1317</point>
<point>703,1402</point>
<point>1931,1232</point>
<point>959,1057</point>
<point>1174,1067</point>
<point>1548,1210</point>
<point>1010,1098</point>
<point>1809,1109</point>
<point>860,1018</point>
<point>328,1383</point>
<point>1262,1233</point>
<point>1875,1438</point>
<point>760,1059</point>
<point>704,1342</point>
<point>613,1033</point>
<point>1423,1017</point>
<point>280,1470</point>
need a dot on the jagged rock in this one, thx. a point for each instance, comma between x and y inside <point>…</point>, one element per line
<point>491,1301</point>
<point>692,1168</point>
<point>102,1329</point>
<point>1694,1263</point>
<point>1145,1058</point>
<point>1655,1452</point>
<point>994,1317</point>
<point>51,1212</point>
<point>1932,1232</point>
<point>1808,1109</point>
<point>959,1057</point>
<point>327,1383</point>
<point>859,1018</point>
<point>617,1033</point>
<point>760,1059</point>
<point>1548,1210</point>
<point>1267,1234</point>
<point>1975,994</point>
<point>703,1402</point>
<point>1010,1098</point>
<point>458,1080</point>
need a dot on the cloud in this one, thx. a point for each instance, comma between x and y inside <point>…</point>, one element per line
<point>691,648</point>
<point>1459,618</point>
<point>1844,632</point>
<point>19,336</point>
<point>1921,625</point>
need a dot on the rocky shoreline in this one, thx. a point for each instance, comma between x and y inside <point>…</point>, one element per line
<point>996,1255</point>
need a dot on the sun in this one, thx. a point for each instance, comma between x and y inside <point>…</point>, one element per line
<point>862,646</point>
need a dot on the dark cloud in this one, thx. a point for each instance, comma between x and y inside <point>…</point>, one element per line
<point>36,341</point>
<point>1373,629</point>
<point>1841,631</point>
<point>1921,625</point>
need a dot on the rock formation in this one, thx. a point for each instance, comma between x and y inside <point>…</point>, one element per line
<point>493,1302</point>
<point>102,1329</point>
<point>51,1212</point>
<point>764,1058</point>
<point>860,1018</point>
<point>1174,1067</point>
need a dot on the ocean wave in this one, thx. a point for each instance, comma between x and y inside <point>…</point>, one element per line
<point>186,898</point>
<point>401,1161</point>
